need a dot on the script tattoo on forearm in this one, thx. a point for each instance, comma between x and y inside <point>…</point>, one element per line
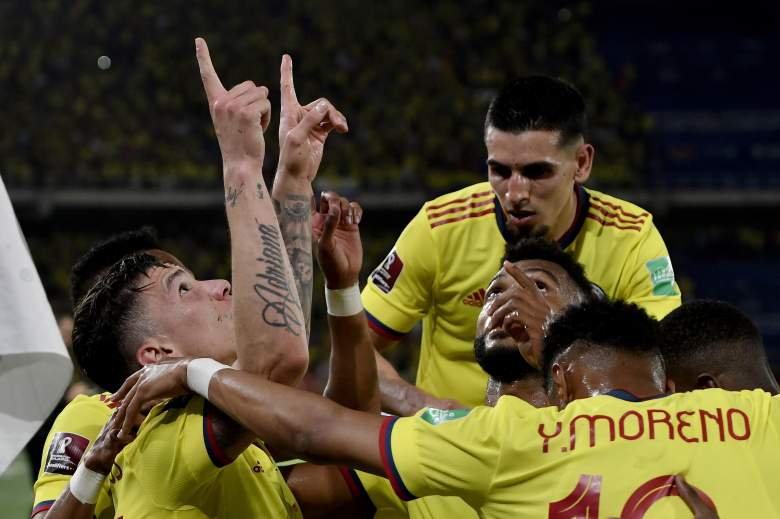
<point>294,214</point>
<point>280,308</point>
<point>233,192</point>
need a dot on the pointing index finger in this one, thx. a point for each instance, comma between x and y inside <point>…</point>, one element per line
<point>286,84</point>
<point>211,83</point>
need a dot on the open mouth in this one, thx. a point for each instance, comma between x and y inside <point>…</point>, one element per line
<point>521,217</point>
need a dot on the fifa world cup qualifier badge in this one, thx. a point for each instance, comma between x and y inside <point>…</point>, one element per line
<point>65,452</point>
<point>661,276</point>
<point>385,276</point>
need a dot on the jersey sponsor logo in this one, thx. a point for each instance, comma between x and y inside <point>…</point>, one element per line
<point>476,298</point>
<point>65,452</point>
<point>661,276</point>
<point>650,424</point>
<point>436,416</point>
<point>385,276</point>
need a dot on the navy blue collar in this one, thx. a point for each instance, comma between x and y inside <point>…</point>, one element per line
<point>630,397</point>
<point>583,202</point>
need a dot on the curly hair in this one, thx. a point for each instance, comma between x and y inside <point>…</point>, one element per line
<point>611,325</point>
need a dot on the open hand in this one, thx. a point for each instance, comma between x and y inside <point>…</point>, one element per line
<point>337,240</point>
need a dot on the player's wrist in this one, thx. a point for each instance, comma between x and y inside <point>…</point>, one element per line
<point>199,373</point>
<point>97,463</point>
<point>85,484</point>
<point>242,168</point>
<point>343,302</point>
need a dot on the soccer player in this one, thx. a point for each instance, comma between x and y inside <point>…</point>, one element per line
<point>611,447</point>
<point>710,343</point>
<point>537,161</point>
<point>143,309</point>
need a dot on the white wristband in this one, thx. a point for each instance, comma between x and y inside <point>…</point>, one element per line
<point>199,373</point>
<point>344,301</point>
<point>85,485</point>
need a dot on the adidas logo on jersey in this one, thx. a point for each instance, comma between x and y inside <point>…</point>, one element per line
<point>476,298</point>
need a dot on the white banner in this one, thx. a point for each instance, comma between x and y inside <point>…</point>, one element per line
<point>34,365</point>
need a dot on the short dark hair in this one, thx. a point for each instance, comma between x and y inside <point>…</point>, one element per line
<point>706,333</point>
<point>100,257</point>
<point>541,249</point>
<point>538,103</point>
<point>108,323</point>
<point>614,325</point>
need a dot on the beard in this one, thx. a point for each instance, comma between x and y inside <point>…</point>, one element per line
<point>504,363</point>
<point>520,233</point>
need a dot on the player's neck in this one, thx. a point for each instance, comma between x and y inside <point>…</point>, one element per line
<point>567,216</point>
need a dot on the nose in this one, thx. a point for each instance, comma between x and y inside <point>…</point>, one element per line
<point>518,190</point>
<point>218,289</point>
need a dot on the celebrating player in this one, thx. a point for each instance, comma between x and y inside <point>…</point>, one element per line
<point>143,310</point>
<point>537,160</point>
<point>612,448</point>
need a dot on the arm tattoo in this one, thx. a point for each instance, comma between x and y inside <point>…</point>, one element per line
<point>259,191</point>
<point>280,306</point>
<point>231,197</point>
<point>294,214</point>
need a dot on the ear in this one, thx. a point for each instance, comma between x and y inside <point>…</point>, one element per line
<point>706,381</point>
<point>152,351</point>
<point>584,158</point>
<point>670,386</point>
<point>560,385</point>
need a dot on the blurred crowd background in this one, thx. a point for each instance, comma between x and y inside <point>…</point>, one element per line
<point>683,106</point>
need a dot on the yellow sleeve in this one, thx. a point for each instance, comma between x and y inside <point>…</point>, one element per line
<point>177,456</point>
<point>413,451</point>
<point>399,291</point>
<point>76,427</point>
<point>385,502</point>
<point>650,280</point>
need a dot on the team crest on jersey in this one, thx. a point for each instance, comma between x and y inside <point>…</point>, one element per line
<point>476,298</point>
<point>65,452</point>
<point>661,276</point>
<point>436,416</point>
<point>386,274</point>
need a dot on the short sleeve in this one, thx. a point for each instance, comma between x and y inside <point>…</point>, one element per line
<point>413,451</point>
<point>399,291</point>
<point>73,431</point>
<point>651,282</point>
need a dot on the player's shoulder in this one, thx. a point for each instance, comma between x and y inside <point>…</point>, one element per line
<point>615,214</point>
<point>92,405</point>
<point>466,205</point>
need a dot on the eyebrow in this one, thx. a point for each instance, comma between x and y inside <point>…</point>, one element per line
<point>544,270</point>
<point>168,281</point>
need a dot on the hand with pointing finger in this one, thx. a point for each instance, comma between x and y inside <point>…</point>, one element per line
<point>337,240</point>
<point>240,115</point>
<point>303,129</point>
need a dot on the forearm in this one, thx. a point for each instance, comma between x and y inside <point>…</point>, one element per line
<point>305,424</point>
<point>67,507</point>
<point>397,396</point>
<point>293,201</point>
<point>352,381</point>
<point>269,328</point>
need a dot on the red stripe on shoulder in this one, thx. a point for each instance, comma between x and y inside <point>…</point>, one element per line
<point>470,205</point>
<point>619,217</point>
<point>612,224</point>
<point>618,208</point>
<point>463,217</point>
<point>458,200</point>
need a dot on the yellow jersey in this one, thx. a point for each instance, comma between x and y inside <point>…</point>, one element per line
<point>175,468</point>
<point>75,428</point>
<point>606,456</point>
<point>384,503</point>
<point>444,259</point>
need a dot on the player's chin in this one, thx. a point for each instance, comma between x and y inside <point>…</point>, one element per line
<point>501,360</point>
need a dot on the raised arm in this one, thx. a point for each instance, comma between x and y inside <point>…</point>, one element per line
<point>301,149</point>
<point>269,327</point>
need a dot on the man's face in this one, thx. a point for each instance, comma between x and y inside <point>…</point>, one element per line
<point>190,317</point>
<point>502,351</point>
<point>534,178</point>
